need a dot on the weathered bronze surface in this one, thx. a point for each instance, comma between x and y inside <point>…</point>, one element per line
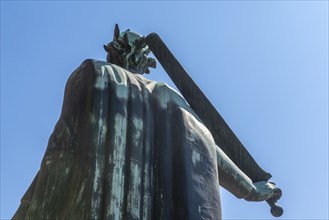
<point>129,50</point>
<point>124,148</point>
<point>129,148</point>
<point>223,135</point>
<point>221,132</point>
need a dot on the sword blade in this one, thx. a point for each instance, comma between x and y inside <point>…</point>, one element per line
<point>223,135</point>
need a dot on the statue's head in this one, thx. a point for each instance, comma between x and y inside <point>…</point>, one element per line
<point>129,50</point>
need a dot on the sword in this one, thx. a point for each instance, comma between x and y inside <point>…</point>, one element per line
<point>222,133</point>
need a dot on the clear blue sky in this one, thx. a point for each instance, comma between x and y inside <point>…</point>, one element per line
<point>263,64</point>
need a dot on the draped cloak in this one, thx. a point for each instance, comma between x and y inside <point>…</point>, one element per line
<point>124,147</point>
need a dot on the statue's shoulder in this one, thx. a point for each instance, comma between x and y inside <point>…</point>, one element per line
<point>95,63</point>
<point>99,71</point>
<point>99,67</point>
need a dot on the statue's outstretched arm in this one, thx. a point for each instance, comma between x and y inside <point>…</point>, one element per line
<point>234,180</point>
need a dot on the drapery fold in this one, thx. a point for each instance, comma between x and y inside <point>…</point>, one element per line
<point>124,148</point>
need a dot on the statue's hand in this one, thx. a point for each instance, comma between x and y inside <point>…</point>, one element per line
<point>263,191</point>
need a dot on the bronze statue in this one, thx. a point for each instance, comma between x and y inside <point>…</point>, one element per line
<point>126,147</point>
<point>230,176</point>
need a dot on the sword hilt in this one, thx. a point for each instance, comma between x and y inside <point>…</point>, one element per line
<point>276,210</point>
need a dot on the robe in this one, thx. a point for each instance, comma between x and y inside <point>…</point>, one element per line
<point>124,147</point>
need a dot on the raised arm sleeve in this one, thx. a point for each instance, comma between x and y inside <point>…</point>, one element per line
<point>231,177</point>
